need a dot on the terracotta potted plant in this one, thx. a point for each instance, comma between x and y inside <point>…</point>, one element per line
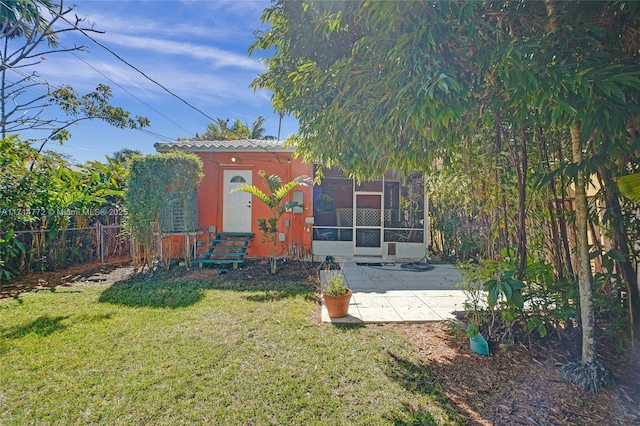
<point>336,295</point>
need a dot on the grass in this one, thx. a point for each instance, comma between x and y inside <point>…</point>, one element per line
<point>203,352</point>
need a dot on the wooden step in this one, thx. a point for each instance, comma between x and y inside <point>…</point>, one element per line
<point>235,234</point>
<point>223,238</point>
<point>237,248</point>
<point>220,260</point>
<point>225,253</point>
<point>233,243</point>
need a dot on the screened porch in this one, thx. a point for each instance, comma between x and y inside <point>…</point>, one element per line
<point>379,218</point>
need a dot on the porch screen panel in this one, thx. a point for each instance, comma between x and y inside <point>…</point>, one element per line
<point>332,202</point>
<point>404,200</point>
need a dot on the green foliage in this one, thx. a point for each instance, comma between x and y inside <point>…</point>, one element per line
<point>490,90</point>
<point>10,248</point>
<point>334,63</point>
<point>23,18</point>
<point>274,198</point>
<point>269,227</point>
<point>457,330</point>
<point>153,178</point>
<point>155,182</point>
<point>91,106</point>
<point>504,284</point>
<point>220,130</point>
<point>472,330</point>
<point>630,186</point>
<point>41,191</point>
<point>471,285</point>
<point>335,284</point>
<point>552,301</point>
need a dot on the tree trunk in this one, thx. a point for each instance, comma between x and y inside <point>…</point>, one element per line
<point>562,221</point>
<point>620,239</point>
<point>522,204</point>
<point>555,237</point>
<point>274,259</point>
<point>587,311</point>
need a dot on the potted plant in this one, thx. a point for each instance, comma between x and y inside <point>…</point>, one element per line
<point>336,295</point>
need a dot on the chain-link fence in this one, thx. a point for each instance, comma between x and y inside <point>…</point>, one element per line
<point>47,249</point>
<point>114,245</point>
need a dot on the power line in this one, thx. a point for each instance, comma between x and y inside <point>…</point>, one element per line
<point>215,120</point>
<point>157,135</point>
<point>124,61</point>
<point>128,92</point>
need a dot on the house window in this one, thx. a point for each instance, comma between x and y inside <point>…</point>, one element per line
<point>237,179</point>
<point>180,215</point>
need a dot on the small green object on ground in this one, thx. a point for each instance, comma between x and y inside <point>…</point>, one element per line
<point>479,345</point>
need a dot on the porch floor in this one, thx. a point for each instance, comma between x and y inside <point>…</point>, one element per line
<point>388,293</point>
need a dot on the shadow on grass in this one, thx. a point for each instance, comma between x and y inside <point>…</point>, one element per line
<point>90,319</point>
<point>181,294</point>
<point>346,327</point>
<point>417,377</point>
<point>42,326</point>
<point>414,417</point>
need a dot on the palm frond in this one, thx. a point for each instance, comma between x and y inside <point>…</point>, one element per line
<point>629,186</point>
<point>253,190</point>
<point>273,182</point>
<point>282,192</point>
<point>290,205</point>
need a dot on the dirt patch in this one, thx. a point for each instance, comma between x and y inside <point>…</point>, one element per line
<point>67,277</point>
<point>255,270</point>
<point>258,270</point>
<point>517,386</point>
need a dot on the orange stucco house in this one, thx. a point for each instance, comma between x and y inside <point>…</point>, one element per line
<point>380,220</point>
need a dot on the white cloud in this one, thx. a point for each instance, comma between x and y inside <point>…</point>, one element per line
<point>189,82</point>
<point>218,57</point>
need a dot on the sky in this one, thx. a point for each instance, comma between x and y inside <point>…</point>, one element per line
<point>196,49</point>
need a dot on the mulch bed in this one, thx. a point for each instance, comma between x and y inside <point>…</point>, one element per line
<point>518,386</point>
<point>512,386</point>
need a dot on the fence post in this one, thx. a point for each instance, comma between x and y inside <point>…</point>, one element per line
<point>99,226</point>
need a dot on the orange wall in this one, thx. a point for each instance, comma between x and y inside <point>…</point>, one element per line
<point>210,198</point>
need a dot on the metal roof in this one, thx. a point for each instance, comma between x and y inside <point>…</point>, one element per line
<point>249,145</point>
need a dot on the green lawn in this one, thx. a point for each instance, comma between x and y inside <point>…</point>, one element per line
<point>203,352</point>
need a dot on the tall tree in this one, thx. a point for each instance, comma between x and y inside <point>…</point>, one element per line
<point>123,155</point>
<point>382,85</point>
<point>220,130</point>
<point>29,32</point>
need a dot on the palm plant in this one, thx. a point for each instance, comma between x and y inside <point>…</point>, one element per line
<point>27,18</point>
<point>629,186</point>
<point>274,199</point>
<point>257,128</point>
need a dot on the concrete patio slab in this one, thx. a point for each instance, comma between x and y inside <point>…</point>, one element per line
<point>390,293</point>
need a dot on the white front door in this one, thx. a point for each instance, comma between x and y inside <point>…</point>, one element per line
<point>236,216</point>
